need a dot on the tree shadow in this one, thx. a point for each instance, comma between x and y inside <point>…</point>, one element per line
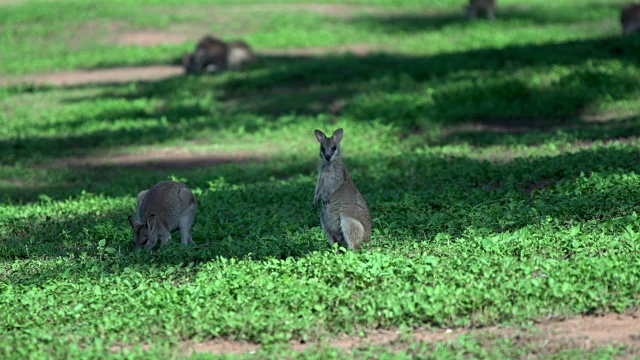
<point>122,176</point>
<point>412,92</point>
<point>523,14</point>
<point>422,196</point>
<point>534,133</point>
<point>232,222</point>
<point>471,86</point>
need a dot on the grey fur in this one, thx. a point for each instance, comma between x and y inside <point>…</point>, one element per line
<point>215,55</point>
<point>239,55</point>
<point>345,216</point>
<point>166,207</point>
<point>630,18</point>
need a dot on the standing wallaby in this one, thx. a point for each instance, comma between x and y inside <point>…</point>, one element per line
<point>162,209</point>
<point>345,216</point>
<point>487,6</point>
<point>215,55</point>
<point>630,18</point>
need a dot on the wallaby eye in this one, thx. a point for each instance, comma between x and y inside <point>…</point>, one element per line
<point>333,148</point>
<point>322,150</point>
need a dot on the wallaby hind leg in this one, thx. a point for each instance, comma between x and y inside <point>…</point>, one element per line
<point>185,231</point>
<point>333,238</point>
<point>186,222</point>
<point>353,232</point>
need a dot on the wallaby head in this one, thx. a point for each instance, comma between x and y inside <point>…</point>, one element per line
<point>145,233</point>
<point>329,147</point>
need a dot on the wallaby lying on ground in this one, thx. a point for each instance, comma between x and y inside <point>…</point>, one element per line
<point>345,216</point>
<point>487,6</point>
<point>215,55</point>
<point>630,18</point>
<point>162,209</point>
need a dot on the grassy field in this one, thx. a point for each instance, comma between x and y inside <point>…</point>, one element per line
<point>500,162</point>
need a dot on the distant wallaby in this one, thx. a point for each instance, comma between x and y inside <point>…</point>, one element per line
<point>487,6</point>
<point>630,18</point>
<point>162,209</point>
<point>345,216</point>
<point>214,55</point>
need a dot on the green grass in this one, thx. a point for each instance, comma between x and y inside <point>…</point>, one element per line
<point>490,153</point>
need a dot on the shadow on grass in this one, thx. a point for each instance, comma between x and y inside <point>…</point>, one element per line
<point>412,197</point>
<point>521,14</point>
<point>530,134</point>
<point>231,222</point>
<point>488,86</point>
<point>475,85</point>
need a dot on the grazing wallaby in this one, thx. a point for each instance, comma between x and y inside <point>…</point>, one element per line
<point>630,18</point>
<point>345,216</point>
<point>487,6</point>
<point>214,55</point>
<point>162,209</point>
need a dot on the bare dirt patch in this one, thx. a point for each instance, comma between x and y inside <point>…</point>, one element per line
<point>220,11</point>
<point>584,333</point>
<point>97,76</point>
<point>10,2</point>
<point>336,10</point>
<point>162,159</point>
<point>151,38</point>
<point>223,347</point>
<point>158,72</point>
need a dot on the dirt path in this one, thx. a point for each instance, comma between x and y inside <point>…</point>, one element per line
<point>179,34</point>
<point>169,158</point>
<point>158,72</point>
<point>584,333</point>
<point>98,76</point>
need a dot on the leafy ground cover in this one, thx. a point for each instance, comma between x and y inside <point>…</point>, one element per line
<point>500,161</point>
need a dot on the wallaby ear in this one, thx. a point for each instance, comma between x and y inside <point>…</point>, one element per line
<point>337,135</point>
<point>134,223</point>
<point>320,135</point>
<point>151,222</point>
